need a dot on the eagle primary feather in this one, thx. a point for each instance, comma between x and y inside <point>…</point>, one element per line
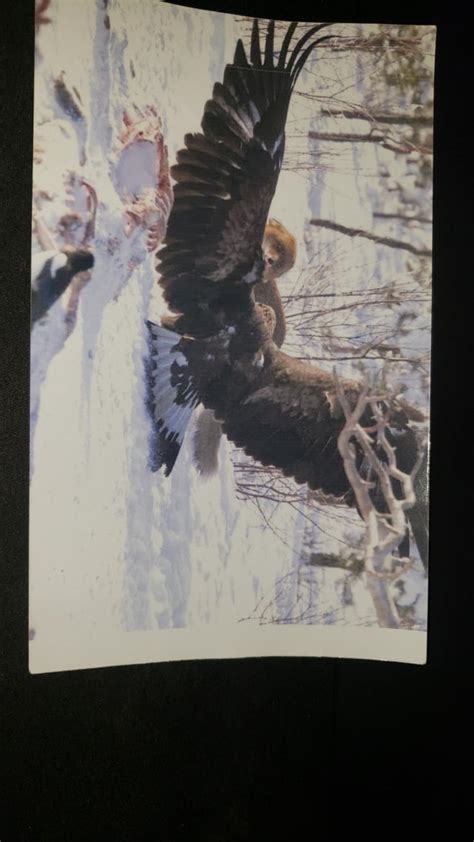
<point>226,177</point>
<point>281,411</point>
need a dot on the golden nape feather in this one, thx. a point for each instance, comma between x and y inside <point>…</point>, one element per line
<point>279,250</point>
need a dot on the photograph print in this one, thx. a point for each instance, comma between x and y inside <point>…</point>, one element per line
<point>230,336</point>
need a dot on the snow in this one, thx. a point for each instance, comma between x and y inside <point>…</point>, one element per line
<point>135,170</point>
<point>113,545</point>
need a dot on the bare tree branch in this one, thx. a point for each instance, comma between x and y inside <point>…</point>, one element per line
<point>384,532</point>
<point>402,144</point>
<point>400,119</point>
<point>403,217</point>
<point>358,232</point>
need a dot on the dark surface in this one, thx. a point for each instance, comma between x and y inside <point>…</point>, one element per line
<point>240,750</point>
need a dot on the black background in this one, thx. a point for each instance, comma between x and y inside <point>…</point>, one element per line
<point>257,748</point>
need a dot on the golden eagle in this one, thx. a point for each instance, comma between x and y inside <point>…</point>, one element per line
<point>219,349</point>
<point>279,254</point>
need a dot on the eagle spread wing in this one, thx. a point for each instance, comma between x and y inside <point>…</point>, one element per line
<point>226,176</point>
<point>219,349</point>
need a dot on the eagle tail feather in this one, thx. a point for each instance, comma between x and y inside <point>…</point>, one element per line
<point>172,396</point>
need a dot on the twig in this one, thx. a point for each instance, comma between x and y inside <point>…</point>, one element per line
<point>384,531</point>
<point>383,241</point>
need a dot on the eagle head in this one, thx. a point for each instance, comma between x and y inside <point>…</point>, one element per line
<point>279,250</point>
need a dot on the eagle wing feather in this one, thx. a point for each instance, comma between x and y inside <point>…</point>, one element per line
<point>226,175</point>
<point>290,418</point>
<point>281,411</point>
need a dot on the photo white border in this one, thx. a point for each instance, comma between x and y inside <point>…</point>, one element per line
<point>77,646</point>
<point>74,652</point>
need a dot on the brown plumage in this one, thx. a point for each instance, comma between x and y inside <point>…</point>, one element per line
<point>225,180</point>
<point>279,250</point>
<point>279,254</point>
<point>219,349</point>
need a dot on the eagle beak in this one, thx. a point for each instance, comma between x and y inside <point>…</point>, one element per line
<point>270,260</point>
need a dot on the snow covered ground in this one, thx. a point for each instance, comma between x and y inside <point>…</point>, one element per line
<point>112,545</point>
